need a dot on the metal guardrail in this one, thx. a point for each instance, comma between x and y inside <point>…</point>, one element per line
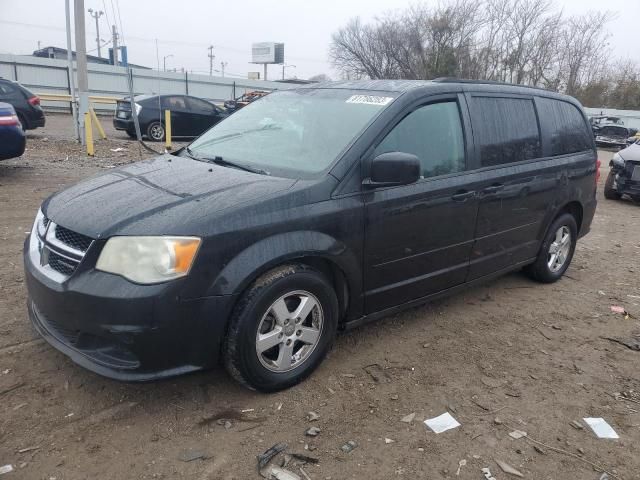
<point>53,97</point>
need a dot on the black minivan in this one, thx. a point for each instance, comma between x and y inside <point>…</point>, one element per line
<point>310,210</point>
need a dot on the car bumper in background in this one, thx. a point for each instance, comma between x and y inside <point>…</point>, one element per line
<point>123,124</point>
<point>12,142</point>
<point>122,330</point>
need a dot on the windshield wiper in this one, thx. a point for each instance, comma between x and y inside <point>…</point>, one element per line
<point>226,163</point>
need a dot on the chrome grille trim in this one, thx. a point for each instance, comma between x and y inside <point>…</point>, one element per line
<point>44,243</point>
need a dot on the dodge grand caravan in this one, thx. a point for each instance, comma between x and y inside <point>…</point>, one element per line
<point>308,211</point>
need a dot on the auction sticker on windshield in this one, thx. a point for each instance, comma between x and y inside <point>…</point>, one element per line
<point>369,99</point>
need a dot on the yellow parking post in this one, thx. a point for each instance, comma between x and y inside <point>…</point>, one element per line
<point>167,129</point>
<point>98,124</point>
<point>88,134</point>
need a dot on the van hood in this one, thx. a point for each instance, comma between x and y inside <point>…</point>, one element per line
<point>157,196</point>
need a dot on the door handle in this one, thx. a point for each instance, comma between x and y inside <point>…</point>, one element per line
<point>463,196</point>
<point>493,188</point>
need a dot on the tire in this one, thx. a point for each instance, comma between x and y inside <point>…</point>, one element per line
<point>609,192</point>
<point>545,270</point>
<point>260,312</point>
<point>155,132</point>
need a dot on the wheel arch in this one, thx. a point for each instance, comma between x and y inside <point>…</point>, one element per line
<point>332,258</point>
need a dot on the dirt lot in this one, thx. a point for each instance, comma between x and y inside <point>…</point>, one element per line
<point>531,355</point>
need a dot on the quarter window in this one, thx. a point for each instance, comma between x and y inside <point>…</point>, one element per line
<point>433,133</point>
<point>567,130</point>
<point>505,129</point>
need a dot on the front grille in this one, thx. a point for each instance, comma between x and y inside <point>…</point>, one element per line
<point>61,264</point>
<point>73,239</point>
<point>60,250</point>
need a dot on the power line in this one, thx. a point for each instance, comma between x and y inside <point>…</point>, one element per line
<point>120,21</point>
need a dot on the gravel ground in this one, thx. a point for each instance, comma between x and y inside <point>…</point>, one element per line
<point>509,355</point>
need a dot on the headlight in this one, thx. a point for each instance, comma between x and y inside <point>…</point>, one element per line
<point>149,259</point>
<point>617,160</point>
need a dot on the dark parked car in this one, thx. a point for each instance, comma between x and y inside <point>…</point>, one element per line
<point>613,136</point>
<point>624,176</point>
<point>190,116</point>
<point>12,137</point>
<point>26,104</point>
<point>305,212</point>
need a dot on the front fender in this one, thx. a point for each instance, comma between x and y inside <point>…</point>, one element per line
<point>277,249</point>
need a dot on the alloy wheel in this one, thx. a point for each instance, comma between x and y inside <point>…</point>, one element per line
<point>289,331</point>
<point>559,249</point>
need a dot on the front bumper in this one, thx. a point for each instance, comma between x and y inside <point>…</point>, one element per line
<point>122,330</point>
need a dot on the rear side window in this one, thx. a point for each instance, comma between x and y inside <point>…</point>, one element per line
<point>433,133</point>
<point>6,89</point>
<point>566,130</point>
<point>199,106</point>
<point>505,129</point>
<point>174,103</point>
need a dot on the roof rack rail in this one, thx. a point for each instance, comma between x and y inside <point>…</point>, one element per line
<point>481,82</point>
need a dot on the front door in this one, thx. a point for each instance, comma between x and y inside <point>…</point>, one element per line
<point>180,123</point>
<point>202,115</point>
<point>418,237</point>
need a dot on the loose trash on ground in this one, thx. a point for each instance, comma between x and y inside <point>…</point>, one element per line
<point>312,432</point>
<point>312,416</point>
<point>442,423</point>
<point>388,441</point>
<point>304,458</point>
<point>617,309</point>
<point>191,455</point>
<point>506,468</point>
<point>517,434</point>
<point>601,428</point>
<point>349,447</point>
<point>6,469</point>
<point>265,458</point>
<point>408,418</point>
<point>119,149</point>
<point>461,464</point>
<point>273,472</point>
<point>487,474</point>
<point>577,425</point>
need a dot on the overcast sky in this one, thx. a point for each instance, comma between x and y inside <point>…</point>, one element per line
<point>186,28</point>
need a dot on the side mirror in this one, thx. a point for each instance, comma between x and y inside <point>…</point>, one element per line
<point>393,168</point>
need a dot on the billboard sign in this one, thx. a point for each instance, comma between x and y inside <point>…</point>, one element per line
<point>267,52</point>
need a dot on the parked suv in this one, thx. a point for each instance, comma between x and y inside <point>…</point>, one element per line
<point>25,103</point>
<point>190,116</point>
<point>305,212</point>
<point>624,175</point>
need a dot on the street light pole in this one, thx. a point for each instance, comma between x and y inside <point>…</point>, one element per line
<point>96,15</point>
<point>164,62</point>
<point>222,67</point>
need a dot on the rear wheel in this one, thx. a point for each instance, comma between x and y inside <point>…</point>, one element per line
<point>282,328</point>
<point>609,191</point>
<point>155,131</point>
<point>556,251</point>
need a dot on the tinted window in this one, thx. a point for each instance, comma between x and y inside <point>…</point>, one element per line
<point>7,89</point>
<point>173,103</point>
<point>199,106</point>
<point>434,134</point>
<point>565,127</point>
<point>505,129</point>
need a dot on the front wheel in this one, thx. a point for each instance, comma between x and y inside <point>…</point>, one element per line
<point>609,191</point>
<point>155,131</point>
<point>556,251</point>
<point>281,329</point>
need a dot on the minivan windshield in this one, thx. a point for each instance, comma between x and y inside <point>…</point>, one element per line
<point>291,133</point>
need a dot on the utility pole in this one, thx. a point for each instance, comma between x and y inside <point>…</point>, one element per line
<point>115,45</point>
<point>39,44</point>
<point>164,62</point>
<point>222,67</point>
<point>96,15</point>
<point>81,64</point>
<point>72,81</point>
<point>211,57</point>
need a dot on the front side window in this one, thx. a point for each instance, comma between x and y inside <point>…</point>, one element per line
<point>199,106</point>
<point>433,133</point>
<point>292,133</point>
<point>505,129</point>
